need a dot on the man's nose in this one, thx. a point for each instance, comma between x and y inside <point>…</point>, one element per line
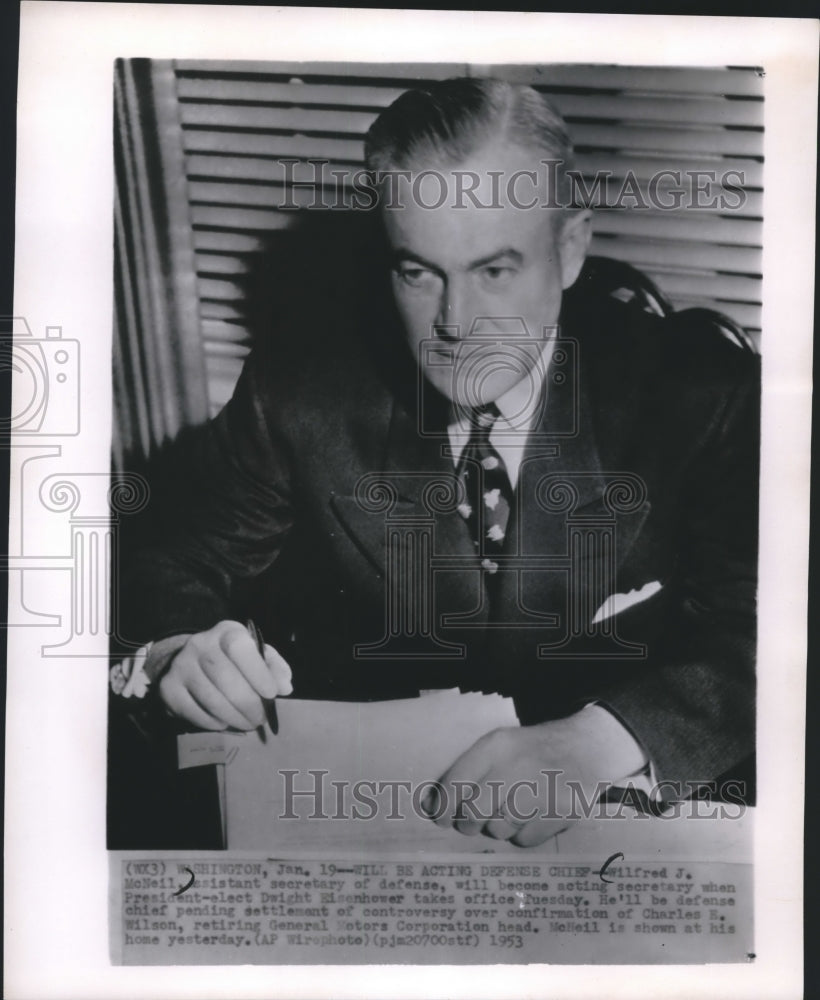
<point>451,322</point>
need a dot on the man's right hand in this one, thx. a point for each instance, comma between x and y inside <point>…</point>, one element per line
<point>217,679</point>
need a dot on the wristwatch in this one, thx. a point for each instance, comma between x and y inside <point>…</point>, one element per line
<point>128,678</point>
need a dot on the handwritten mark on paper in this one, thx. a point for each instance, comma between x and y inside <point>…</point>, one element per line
<point>607,863</point>
<point>187,886</point>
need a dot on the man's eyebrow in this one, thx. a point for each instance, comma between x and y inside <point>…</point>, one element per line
<point>515,255</point>
<point>402,253</point>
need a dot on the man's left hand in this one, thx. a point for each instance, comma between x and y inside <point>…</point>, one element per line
<point>525,784</point>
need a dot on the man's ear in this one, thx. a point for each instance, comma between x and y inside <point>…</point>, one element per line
<point>573,244</point>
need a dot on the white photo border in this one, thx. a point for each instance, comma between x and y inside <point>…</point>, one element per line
<point>57,865</point>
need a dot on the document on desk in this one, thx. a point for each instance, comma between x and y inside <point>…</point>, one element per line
<point>345,771</point>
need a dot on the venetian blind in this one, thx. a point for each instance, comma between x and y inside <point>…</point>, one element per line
<point>237,119</point>
<point>160,385</point>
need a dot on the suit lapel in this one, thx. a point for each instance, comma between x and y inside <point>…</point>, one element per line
<point>415,474</point>
<point>551,459</point>
<point>562,477</point>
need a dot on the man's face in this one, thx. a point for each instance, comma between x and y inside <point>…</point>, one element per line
<point>477,284</point>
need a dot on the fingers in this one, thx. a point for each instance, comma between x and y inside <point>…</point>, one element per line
<point>481,757</point>
<point>180,702</point>
<point>500,827</point>
<point>538,831</point>
<point>474,807</point>
<point>240,650</point>
<point>466,793</point>
<point>282,674</point>
<point>515,807</point>
<point>497,788</point>
<point>478,803</point>
<point>218,679</point>
<point>216,686</point>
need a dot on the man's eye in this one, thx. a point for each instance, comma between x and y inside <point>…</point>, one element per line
<point>415,277</point>
<point>497,275</point>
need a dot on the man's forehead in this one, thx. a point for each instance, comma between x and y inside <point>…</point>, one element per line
<point>491,168</point>
<point>465,229</point>
<point>479,230</point>
<point>500,194</point>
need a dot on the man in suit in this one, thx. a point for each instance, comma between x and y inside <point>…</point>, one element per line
<point>547,450</point>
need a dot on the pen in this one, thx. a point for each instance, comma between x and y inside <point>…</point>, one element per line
<point>269,703</point>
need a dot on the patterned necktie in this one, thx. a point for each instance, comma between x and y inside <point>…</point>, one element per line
<point>487,488</point>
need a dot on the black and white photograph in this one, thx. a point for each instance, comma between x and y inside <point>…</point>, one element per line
<point>420,573</point>
<point>460,452</point>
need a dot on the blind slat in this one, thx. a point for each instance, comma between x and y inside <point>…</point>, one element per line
<point>629,108</point>
<point>701,227</point>
<point>283,119</point>
<point>347,71</point>
<point>751,172</point>
<point>249,168</point>
<point>226,349</point>
<point>227,242</point>
<point>241,219</point>
<point>262,195</point>
<point>744,82</point>
<point>259,144</point>
<point>219,330</point>
<point>698,139</point>
<point>729,287</point>
<point>667,253</point>
<point>221,310</point>
<point>227,90</point>
<point>214,263</point>
<point>224,291</point>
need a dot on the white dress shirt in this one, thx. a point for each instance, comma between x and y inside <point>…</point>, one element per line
<point>519,409</point>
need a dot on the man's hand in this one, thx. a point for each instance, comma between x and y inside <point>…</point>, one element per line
<point>524,784</point>
<point>217,680</point>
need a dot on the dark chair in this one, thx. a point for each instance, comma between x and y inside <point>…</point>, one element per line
<point>604,276</point>
<point>725,324</point>
<point>617,279</point>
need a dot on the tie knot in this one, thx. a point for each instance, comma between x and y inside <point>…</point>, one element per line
<point>483,417</point>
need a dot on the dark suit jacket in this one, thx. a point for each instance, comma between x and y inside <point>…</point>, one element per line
<point>277,530</point>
